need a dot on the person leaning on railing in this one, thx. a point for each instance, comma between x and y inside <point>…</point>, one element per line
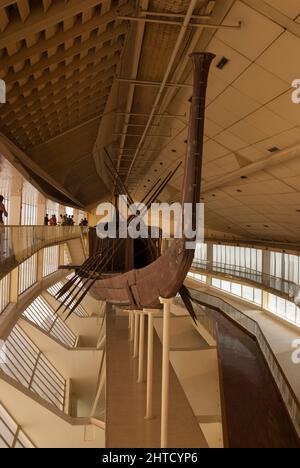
<point>3,211</point>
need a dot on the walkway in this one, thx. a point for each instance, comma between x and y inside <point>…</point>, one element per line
<point>255,415</point>
<point>125,410</point>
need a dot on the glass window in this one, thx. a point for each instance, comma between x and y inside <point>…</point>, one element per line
<point>236,289</point>
<point>29,205</point>
<point>258,296</point>
<point>51,259</point>
<point>52,209</point>
<point>226,286</point>
<point>4,293</point>
<point>216,283</point>
<point>248,293</point>
<point>291,311</point>
<point>27,273</point>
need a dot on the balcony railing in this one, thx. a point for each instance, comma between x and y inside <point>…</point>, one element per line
<point>11,434</point>
<point>287,288</point>
<point>21,360</point>
<point>287,393</point>
<point>17,243</point>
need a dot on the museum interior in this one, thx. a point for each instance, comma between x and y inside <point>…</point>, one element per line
<point>126,320</point>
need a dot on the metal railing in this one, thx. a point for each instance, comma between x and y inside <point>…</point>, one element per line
<point>17,243</point>
<point>4,293</point>
<point>11,434</point>
<point>79,311</point>
<point>287,393</point>
<point>41,314</point>
<point>23,361</point>
<point>288,288</point>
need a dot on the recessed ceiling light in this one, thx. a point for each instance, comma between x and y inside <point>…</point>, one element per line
<point>274,149</point>
<point>239,190</point>
<point>214,195</point>
<point>174,151</point>
<point>221,64</point>
<point>244,177</point>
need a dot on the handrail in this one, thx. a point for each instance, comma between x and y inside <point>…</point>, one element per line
<point>287,393</point>
<point>274,283</point>
<point>18,243</point>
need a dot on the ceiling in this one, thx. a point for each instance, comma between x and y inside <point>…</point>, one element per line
<point>73,72</point>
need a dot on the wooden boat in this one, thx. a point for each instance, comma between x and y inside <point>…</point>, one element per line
<point>164,277</point>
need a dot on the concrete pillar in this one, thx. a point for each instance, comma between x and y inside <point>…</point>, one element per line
<point>141,348</point>
<point>149,402</point>
<point>165,371</point>
<point>266,262</point>
<point>14,285</point>
<point>210,247</point>
<point>131,325</point>
<point>136,333</point>
<point>40,264</point>
<point>41,209</point>
<point>14,215</point>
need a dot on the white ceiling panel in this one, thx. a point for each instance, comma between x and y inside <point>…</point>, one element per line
<point>285,107</point>
<point>268,122</point>
<point>234,68</point>
<point>281,58</point>
<point>257,32</point>
<point>237,103</point>
<point>247,132</point>
<point>221,116</point>
<point>260,85</point>
<point>290,8</point>
<point>230,141</point>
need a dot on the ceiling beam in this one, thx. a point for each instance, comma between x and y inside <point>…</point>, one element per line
<point>63,84</point>
<point>91,59</point>
<point>152,83</point>
<point>39,20</point>
<point>64,102</point>
<point>15,155</point>
<point>281,157</point>
<point>61,37</point>
<point>61,56</point>
<point>140,19</point>
<point>44,130</point>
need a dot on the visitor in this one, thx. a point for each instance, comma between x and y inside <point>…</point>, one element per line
<point>3,211</point>
<point>53,220</point>
<point>46,220</point>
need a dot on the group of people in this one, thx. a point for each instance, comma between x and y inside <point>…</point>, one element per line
<point>65,220</point>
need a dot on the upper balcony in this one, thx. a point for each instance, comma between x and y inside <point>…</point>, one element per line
<point>17,243</point>
<point>286,289</point>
